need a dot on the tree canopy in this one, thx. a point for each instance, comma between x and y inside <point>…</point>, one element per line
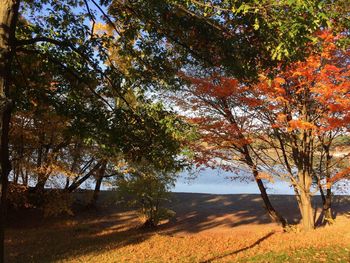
<point>80,86</point>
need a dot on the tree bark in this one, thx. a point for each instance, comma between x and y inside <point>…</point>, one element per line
<point>77,183</point>
<point>327,207</point>
<point>8,21</point>
<point>327,204</point>
<point>274,215</point>
<point>99,179</point>
<point>306,211</point>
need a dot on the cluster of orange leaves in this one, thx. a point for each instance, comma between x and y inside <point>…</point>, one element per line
<point>321,82</point>
<point>307,95</point>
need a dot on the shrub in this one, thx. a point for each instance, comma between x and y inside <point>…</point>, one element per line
<point>17,196</point>
<point>57,202</point>
<point>147,191</point>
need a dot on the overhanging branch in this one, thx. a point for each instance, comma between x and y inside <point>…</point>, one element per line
<point>31,41</point>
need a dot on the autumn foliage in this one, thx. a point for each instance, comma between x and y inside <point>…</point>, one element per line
<point>282,126</point>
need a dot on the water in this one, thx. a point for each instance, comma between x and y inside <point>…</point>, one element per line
<point>215,181</point>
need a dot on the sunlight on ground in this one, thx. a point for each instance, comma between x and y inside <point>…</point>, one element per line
<point>207,228</point>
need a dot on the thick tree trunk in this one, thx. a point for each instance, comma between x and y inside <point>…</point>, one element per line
<point>306,211</point>
<point>304,200</point>
<point>5,170</point>
<point>8,20</point>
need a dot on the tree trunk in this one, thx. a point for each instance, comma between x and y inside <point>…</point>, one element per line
<point>15,173</point>
<point>24,176</point>
<point>8,21</point>
<point>306,211</point>
<point>274,215</point>
<point>327,207</point>
<point>5,170</point>
<point>327,200</point>
<point>96,191</point>
<point>77,183</point>
<point>42,179</point>
<point>67,183</point>
<point>99,179</point>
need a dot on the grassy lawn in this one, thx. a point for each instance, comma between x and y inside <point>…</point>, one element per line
<point>114,235</point>
<point>309,255</point>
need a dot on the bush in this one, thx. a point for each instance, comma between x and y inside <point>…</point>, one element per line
<point>147,191</point>
<point>57,202</point>
<point>52,202</point>
<point>17,196</point>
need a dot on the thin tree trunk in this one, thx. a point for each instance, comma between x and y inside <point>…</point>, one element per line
<point>8,21</point>
<point>275,216</point>
<point>99,179</point>
<point>327,204</point>
<point>327,207</point>
<point>67,183</point>
<point>15,173</point>
<point>97,189</point>
<point>77,183</point>
<point>326,215</point>
<point>24,176</point>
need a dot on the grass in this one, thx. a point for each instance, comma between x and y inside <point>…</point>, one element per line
<point>309,255</point>
<point>113,235</point>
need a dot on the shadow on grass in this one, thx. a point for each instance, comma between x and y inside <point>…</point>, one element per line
<point>239,250</point>
<point>84,234</point>
<point>31,239</point>
<point>198,212</point>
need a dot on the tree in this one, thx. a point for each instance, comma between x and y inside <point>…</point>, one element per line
<point>287,123</point>
<point>70,72</point>
<point>239,38</point>
<point>220,113</point>
<point>8,20</point>
<point>61,34</point>
<point>302,110</point>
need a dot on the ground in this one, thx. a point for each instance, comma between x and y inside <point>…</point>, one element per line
<point>207,228</point>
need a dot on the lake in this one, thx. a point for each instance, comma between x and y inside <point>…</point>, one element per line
<point>215,181</point>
